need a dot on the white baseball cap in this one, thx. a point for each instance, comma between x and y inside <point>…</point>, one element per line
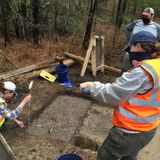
<point>10,86</point>
<point>148,11</point>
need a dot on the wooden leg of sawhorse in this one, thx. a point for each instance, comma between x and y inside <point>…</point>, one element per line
<point>91,45</point>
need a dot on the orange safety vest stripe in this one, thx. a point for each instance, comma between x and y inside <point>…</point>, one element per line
<point>141,112</point>
<point>130,124</point>
<point>145,96</point>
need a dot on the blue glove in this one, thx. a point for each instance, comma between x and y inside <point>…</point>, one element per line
<point>86,91</point>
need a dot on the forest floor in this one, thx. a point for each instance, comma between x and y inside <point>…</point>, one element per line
<point>60,119</point>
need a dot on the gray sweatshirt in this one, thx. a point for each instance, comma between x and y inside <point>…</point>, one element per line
<point>129,84</point>
<point>138,25</point>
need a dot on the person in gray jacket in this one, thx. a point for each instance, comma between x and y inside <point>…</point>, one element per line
<point>135,96</point>
<point>146,23</point>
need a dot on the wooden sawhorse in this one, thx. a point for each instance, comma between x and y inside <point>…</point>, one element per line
<point>96,54</point>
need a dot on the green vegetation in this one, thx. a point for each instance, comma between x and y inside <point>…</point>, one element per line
<point>61,18</point>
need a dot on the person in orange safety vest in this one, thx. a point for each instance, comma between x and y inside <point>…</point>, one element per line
<point>136,96</point>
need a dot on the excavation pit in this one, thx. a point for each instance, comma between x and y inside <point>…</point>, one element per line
<point>64,122</point>
<point>61,119</point>
<point>73,120</point>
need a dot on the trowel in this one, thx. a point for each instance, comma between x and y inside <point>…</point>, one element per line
<point>29,104</point>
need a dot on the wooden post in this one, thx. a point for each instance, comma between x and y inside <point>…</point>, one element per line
<point>100,52</point>
<point>96,53</point>
<point>93,59</point>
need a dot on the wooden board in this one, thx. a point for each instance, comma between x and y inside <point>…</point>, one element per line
<point>100,67</point>
<point>35,73</point>
<point>26,69</point>
<point>79,58</point>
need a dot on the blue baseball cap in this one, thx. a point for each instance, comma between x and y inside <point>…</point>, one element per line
<point>142,36</point>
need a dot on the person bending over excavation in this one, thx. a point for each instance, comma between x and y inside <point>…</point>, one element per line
<point>7,92</point>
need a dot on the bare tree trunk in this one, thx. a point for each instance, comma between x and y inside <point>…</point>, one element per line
<point>134,11</point>
<point>36,21</point>
<point>91,16</point>
<point>55,23</point>
<point>119,19</point>
<point>27,14</point>
<point>17,28</point>
<point>113,10</point>
<point>6,33</point>
<point>20,22</point>
<point>6,11</point>
<point>24,28</point>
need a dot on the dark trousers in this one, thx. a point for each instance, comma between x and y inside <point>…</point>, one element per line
<point>123,146</point>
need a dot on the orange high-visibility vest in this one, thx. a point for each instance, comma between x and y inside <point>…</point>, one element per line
<point>141,112</point>
<point>2,119</point>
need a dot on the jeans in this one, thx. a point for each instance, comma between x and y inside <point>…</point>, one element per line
<point>123,146</point>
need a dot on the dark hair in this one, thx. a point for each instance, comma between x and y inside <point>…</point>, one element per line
<point>148,46</point>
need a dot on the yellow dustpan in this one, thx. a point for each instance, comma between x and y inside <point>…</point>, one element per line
<point>47,76</point>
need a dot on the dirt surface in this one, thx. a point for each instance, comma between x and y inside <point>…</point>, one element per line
<point>61,119</point>
<point>53,120</point>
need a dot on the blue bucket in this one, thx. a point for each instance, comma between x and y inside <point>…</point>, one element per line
<point>62,72</point>
<point>69,156</point>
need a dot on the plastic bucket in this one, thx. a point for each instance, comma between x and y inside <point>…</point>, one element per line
<point>62,73</point>
<point>69,156</point>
